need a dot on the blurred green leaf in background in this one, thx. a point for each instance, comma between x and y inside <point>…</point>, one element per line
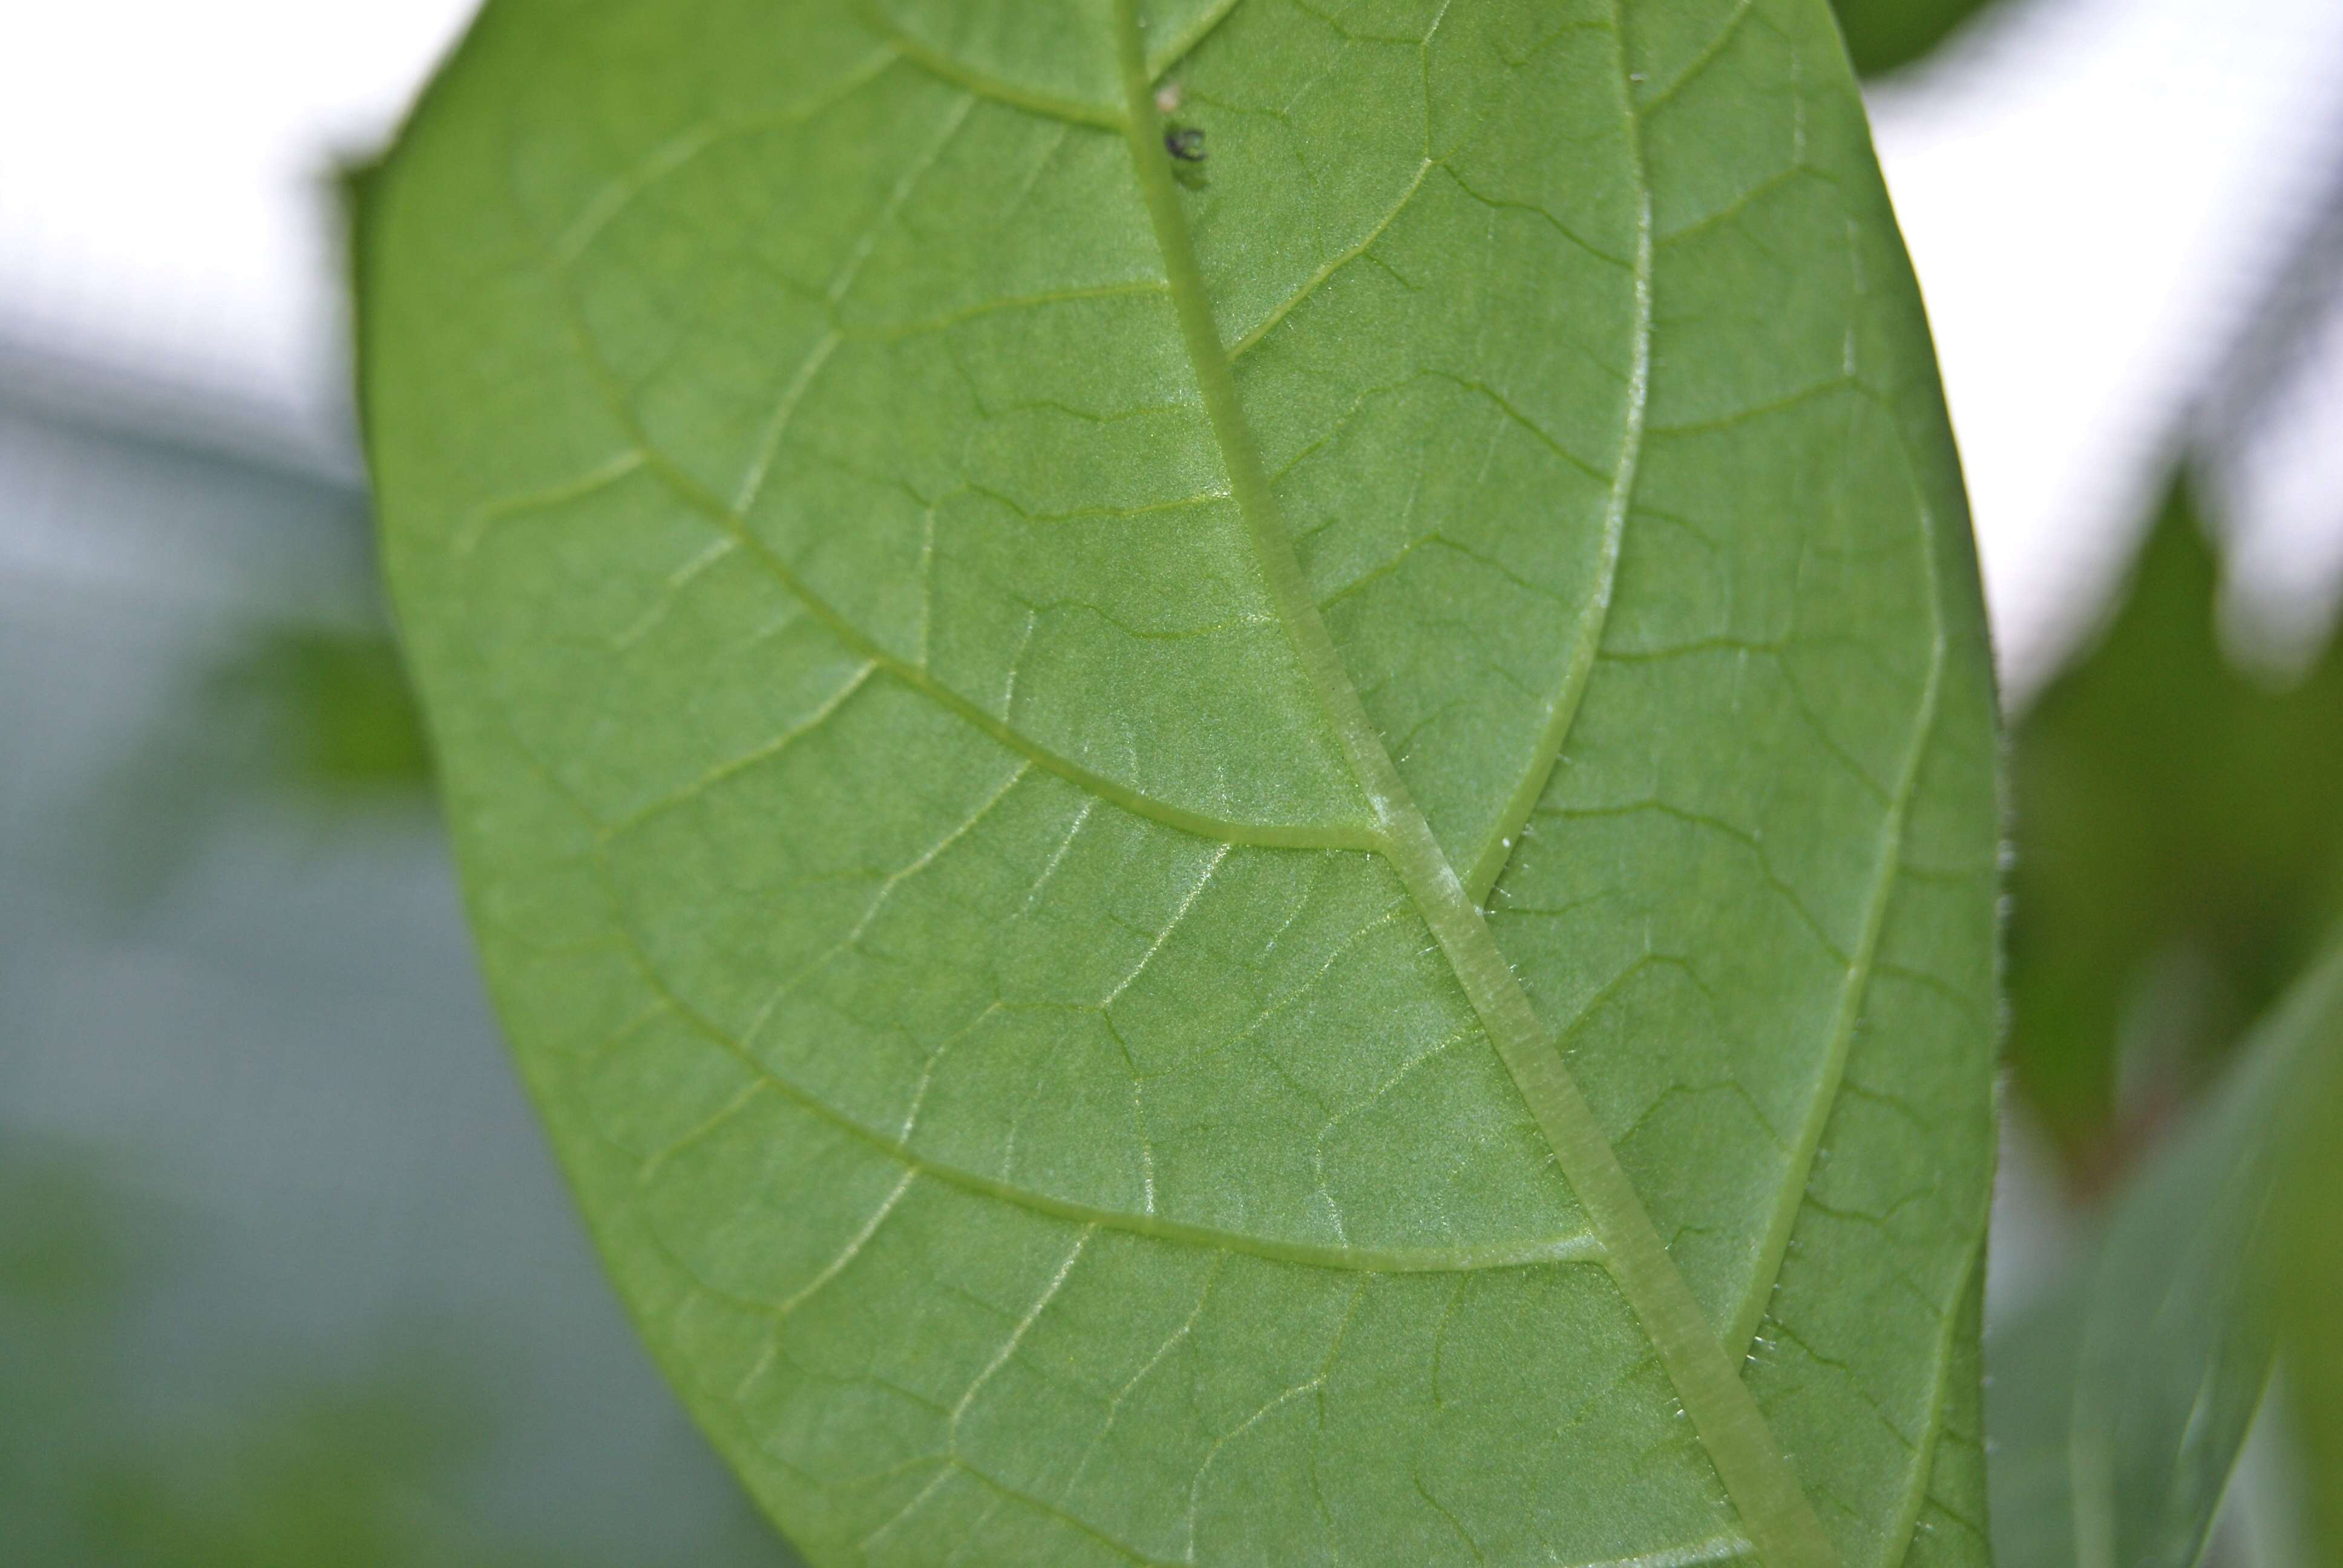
<point>2308,1278</point>
<point>2120,1402</point>
<point>344,720</point>
<point>358,1474</point>
<point>285,1277</point>
<point>2179,855</point>
<point>309,716</point>
<point>388,1460</point>
<point>1882,34</point>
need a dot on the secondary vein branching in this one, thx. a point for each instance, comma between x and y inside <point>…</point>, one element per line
<point>1781,1524</point>
<point>690,493</point>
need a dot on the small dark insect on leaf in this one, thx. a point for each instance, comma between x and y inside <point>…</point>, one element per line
<point>1185,144</point>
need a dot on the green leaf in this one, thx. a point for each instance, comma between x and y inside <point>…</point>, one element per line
<point>316,718</point>
<point>2308,1274</point>
<point>1882,34</point>
<point>1290,867</point>
<point>2120,1402</point>
<point>2179,854</point>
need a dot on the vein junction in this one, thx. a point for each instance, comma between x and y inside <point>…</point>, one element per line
<point>1781,1524</point>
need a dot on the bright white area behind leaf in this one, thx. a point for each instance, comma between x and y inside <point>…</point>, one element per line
<point>2099,194</point>
<point>2095,192</point>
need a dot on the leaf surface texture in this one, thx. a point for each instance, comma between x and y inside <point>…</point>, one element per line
<point>1286,867</point>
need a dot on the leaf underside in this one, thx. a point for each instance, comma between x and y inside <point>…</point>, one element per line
<point>1283,860</point>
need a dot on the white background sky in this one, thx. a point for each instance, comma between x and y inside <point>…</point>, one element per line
<point>2094,191</point>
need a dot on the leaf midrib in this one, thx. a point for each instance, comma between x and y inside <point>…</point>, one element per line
<point>1781,1524</point>
<point>1772,1506</point>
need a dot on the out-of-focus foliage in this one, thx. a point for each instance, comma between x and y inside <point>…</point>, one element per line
<point>381,1465</point>
<point>2310,1281</point>
<point>322,712</point>
<point>1882,34</point>
<point>2119,1404</point>
<point>64,1267</point>
<point>358,1477</point>
<point>316,717</point>
<point>2179,855</point>
<point>88,1474</point>
<point>333,707</point>
<point>315,712</point>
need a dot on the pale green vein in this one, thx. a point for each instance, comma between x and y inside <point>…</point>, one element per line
<point>1180,45</point>
<point>599,478</point>
<point>1349,1257</point>
<point>1050,106</point>
<point>896,332</point>
<point>604,208</point>
<point>1748,1459</point>
<point>1658,96</point>
<point>1716,1549</point>
<point>950,1464</point>
<point>1693,227</point>
<point>851,1251</point>
<point>1114,1406</point>
<point>780,1310</point>
<point>769,442</point>
<point>697,496</point>
<point>1017,1334</point>
<point>1772,406</point>
<point>1317,1382</point>
<point>905,184</point>
<point>614,198</point>
<point>1852,992</point>
<point>1915,1495</point>
<point>1333,265</point>
<point>1562,708</point>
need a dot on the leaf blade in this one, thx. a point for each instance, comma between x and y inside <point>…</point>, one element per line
<point>1782,1527</point>
<point>812,771</point>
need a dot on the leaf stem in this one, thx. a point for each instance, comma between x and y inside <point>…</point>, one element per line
<point>1780,1523</point>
